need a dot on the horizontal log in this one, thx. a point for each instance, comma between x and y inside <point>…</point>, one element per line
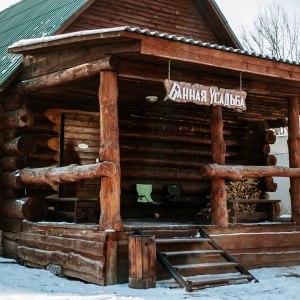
<point>267,136</point>
<point>262,160</point>
<point>46,141</point>
<point>11,225</point>
<point>258,149</point>
<point>239,172</point>
<point>10,249</point>
<point>267,124</point>
<point>65,76</point>
<point>22,208</point>
<point>2,110</point>
<point>159,174</point>
<point>44,156</point>
<point>11,193</point>
<point>22,145</point>
<point>11,180</point>
<point>21,117</point>
<point>90,270</point>
<point>71,173</point>
<point>90,249</point>
<point>15,101</point>
<point>53,114</point>
<point>11,163</point>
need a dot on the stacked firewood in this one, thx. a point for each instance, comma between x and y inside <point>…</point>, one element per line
<point>246,188</point>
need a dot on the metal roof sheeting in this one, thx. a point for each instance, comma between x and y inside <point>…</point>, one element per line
<point>30,19</point>
<point>149,33</point>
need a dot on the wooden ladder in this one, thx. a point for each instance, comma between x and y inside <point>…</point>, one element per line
<point>181,264</point>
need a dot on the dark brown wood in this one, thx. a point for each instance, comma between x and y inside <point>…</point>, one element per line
<point>294,155</point>
<point>109,150</point>
<point>14,102</point>
<point>11,193</point>
<point>90,271</point>
<point>270,184</point>
<point>54,175</point>
<point>219,213</point>
<point>17,118</point>
<point>262,160</point>
<point>22,208</point>
<point>22,146</point>
<point>111,258</point>
<point>11,180</point>
<point>142,262</point>
<point>11,163</point>
<point>65,76</point>
<point>2,110</point>
<point>265,210</point>
<point>238,172</point>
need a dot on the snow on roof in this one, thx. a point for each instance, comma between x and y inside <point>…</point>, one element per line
<point>27,42</point>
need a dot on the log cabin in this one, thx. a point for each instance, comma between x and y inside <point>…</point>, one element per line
<point>100,96</point>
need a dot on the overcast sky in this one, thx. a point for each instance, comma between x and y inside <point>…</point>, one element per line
<point>237,12</point>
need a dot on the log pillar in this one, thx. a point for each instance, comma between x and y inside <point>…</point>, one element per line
<point>110,192</point>
<point>219,213</point>
<point>294,155</point>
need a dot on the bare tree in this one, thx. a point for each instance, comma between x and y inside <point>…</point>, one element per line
<point>274,33</point>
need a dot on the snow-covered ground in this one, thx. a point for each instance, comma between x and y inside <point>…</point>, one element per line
<point>17,282</point>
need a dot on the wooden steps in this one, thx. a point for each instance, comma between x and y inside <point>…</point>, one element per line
<point>198,262</point>
<point>203,282</point>
<point>206,266</point>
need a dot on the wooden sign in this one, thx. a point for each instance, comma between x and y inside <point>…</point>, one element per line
<point>204,95</point>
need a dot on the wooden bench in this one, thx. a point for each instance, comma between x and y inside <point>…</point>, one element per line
<point>77,210</point>
<point>266,210</point>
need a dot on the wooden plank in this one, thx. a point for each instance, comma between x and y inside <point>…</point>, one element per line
<point>220,59</point>
<point>184,20</point>
<point>90,271</point>
<point>90,249</point>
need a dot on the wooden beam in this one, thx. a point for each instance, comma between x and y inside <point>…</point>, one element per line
<point>294,155</point>
<point>65,76</point>
<point>220,59</point>
<point>110,191</point>
<point>218,199</point>
<point>238,172</point>
<point>158,73</point>
<point>71,173</point>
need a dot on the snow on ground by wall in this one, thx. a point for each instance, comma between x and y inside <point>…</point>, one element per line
<point>21,283</point>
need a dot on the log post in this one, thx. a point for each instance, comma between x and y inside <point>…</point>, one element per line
<point>294,155</point>
<point>219,213</point>
<point>110,191</point>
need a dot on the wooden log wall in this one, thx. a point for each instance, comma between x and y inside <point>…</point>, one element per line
<point>23,143</point>
<point>79,250</point>
<point>155,148</point>
<point>260,137</point>
<point>176,17</point>
<point>164,143</point>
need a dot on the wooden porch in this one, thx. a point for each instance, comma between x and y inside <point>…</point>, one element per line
<point>83,247</point>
